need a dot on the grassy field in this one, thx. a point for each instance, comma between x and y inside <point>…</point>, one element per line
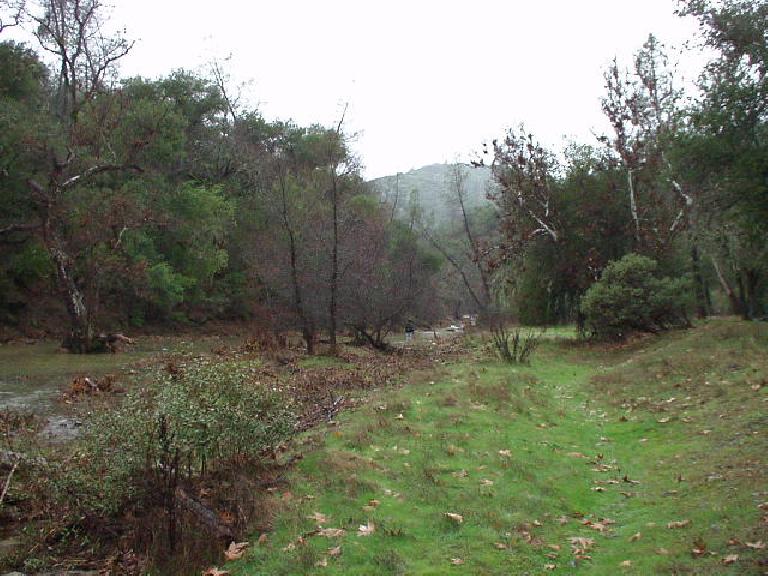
<point>648,458</point>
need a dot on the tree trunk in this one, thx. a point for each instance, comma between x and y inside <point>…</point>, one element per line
<point>700,287</point>
<point>334,265</point>
<point>80,338</point>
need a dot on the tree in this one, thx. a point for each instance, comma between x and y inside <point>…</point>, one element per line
<point>83,146</point>
<point>724,151</point>
<point>642,107</point>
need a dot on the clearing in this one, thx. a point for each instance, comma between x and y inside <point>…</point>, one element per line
<point>647,458</point>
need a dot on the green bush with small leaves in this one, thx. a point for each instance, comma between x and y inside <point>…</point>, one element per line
<point>631,297</point>
<point>182,424</point>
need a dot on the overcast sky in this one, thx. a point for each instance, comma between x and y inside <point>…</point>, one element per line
<point>426,81</point>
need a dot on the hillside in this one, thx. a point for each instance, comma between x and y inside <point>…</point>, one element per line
<point>430,187</point>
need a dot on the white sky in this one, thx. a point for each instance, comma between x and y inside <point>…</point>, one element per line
<point>427,81</point>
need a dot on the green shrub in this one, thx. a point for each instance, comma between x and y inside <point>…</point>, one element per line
<point>630,297</point>
<point>181,425</point>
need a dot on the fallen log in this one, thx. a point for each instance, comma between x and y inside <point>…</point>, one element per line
<point>206,516</point>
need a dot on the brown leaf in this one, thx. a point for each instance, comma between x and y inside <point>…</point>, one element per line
<point>334,552</point>
<point>235,550</point>
<point>214,571</point>
<point>457,561</point>
<point>759,545</point>
<point>374,503</point>
<point>319,518</point>
<point>730,559</point>
<point>331,532</point>
<point>626,563</point>
<point>263,539</point>
<point>679,524</point>
<point>500,546</point>
<point>550,566</point>
<point>458,518</point>
<point>635,537</point>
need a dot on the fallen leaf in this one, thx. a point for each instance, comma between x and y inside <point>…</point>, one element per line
<point>457,561</point>
<point>235,550</point>
<point>505,453</point>
<point>331,532</point>
<point>550,566</point>
<point>399,417</point>
<point>321,563</point>
<point>759,545</point>
<point>730,559</point>
<point>555,547</point>
<point>262,539</point>
<point>319,518</point>
<point>575,455</point>
<point>679,524</point>
<point>663,420</point>
<point>366,529</point>
<point>486,482</point>
<point>626,563</point>
<point>562,520</point>
<point>213,571</point>
<point>500,546</point>
<point>374,503</point>
<point>458,518</point>
<point>662,551</point>
<point>334,552</point>
<point>460,474</point>
<point>635,537</point>
<point>699,547</point>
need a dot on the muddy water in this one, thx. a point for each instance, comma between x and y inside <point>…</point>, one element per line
<point>33,375</point>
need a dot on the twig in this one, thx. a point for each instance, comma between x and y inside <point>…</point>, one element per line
<point>8,482</point>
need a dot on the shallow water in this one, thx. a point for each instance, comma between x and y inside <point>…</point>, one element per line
<point>33,375</point>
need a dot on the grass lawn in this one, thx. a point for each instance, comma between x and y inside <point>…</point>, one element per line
<point>648,458</point>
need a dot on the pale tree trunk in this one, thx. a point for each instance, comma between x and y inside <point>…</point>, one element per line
<point>80,338</point>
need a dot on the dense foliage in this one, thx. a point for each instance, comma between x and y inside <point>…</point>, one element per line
<point>174,429</point>
<point>141,201</point>
<point>631,297</point>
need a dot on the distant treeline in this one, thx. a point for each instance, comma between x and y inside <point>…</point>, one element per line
<point>148,201</point>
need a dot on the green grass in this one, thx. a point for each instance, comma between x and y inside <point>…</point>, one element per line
<point>669,429</point>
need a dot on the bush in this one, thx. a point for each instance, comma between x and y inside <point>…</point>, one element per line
<point>181,424</point>
<point>630,297</point>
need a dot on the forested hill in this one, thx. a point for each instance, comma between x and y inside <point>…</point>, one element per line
<point>433,187</point>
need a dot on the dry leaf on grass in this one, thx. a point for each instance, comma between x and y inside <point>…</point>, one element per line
<point>662,551</point>
<point>334,552</point>
<point>635,537</point>
<point>213,571</point>
<point>457,561</point>
<point>550,566</point>
<point>235,550</point>
<point>319,518</point>
<point>679,524</point>
<point>730,559</point>
<point>458,518</point>
<point>500,546</point>
<point>759,545</point>
<point>366,529</point>
<point>331,532</point>
<point>626,564</point>
<point>373,503</point>
<point>321,563</point>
